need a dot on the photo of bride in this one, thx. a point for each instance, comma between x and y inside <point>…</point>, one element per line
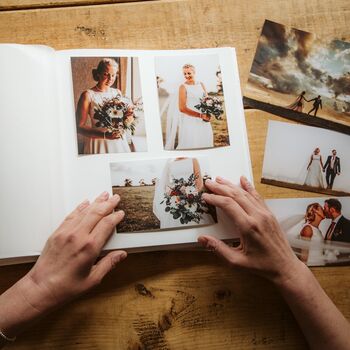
<point>191,101</point>
<point>109,111</point>
<point>162,194</point>
<point>292,160</point>
<point>318,229</point>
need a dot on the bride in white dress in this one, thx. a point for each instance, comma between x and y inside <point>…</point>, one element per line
<point>176,169</point>
<point>194,128</point>
<point>310,231</point>
<point>98,139</point>
<point>314,176</point>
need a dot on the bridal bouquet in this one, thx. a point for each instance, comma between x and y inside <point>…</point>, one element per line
<point>211,105</point>
<point>184,202</point>
<point>116,114</point>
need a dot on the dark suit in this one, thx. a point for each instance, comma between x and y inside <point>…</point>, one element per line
<point>341,232</point>
<point>331,172</point>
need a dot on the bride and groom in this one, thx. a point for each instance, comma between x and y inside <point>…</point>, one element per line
<point>315,170</point>
<point>337,231</point>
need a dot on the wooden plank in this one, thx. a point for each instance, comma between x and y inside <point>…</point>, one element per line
<point>9,5</point>
<point>179,300</point>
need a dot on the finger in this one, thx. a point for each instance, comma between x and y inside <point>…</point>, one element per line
<point>229,206</point>
<point>105,265</point>
<point>97,210</point>
<point>231,255</point>
<point>105,228</point>
<point>234,192</point>
<point>73,219</point>
<point>247,186</point>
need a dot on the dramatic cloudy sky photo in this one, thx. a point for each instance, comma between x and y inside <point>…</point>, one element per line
<point>290,61</point>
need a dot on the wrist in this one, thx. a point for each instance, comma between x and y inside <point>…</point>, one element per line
<point>22,304</point>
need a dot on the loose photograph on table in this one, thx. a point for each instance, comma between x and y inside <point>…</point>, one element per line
<point>162,194</point>
<point>191,102</point>
<point>318,229</point>
<point>302,77</point>
<point>108,101</point>
<point>307,158</point>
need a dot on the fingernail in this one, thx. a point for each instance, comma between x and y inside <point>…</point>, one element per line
<point>123,256</point>
<point>83,204</point>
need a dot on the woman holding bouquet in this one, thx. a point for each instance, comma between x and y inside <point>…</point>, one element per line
<point>97,138</point>
<point>194,128</point>
<point>179,189</point>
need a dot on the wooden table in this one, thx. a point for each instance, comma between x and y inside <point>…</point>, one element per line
<point>175,300</point>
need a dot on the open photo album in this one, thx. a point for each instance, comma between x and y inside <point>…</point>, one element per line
<point>151,126</point>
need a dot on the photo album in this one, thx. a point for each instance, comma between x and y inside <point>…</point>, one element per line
<point>305,81</point>
<point>151,126</point>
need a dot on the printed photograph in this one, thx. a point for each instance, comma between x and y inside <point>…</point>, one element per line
<point>108,103</point>
<point>318,229</point>
<point>302,77</point>
<point>191,102</point>
<point>307,158</point>
<point>162,194</point>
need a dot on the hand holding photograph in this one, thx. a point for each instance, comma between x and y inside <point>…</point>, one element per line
<point>191,99</point>
<point>302,77</point>
<point>162,194</point>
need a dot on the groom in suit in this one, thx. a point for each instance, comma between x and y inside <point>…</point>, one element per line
<point>339,229</point>
<point>332,167</point>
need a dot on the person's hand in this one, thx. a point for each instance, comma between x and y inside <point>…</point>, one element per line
<point>206,117</point>
<point>263,247</point>
<point>108,135</point>
<point>67,265</point>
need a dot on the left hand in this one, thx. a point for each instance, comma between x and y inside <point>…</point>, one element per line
<point>206,117</point>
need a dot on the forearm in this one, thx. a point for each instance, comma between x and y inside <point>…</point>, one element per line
<point>92,133</point>
<point>321,322</point>
<point>21,305</point>
<point>190,112</point>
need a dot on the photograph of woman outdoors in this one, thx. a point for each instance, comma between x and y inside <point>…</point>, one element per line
<point>191,102</point>
<point>162,193</point>
<point>109,109</point>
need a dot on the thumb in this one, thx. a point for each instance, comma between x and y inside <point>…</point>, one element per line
<point>106,264</point>
<point>231,255</point>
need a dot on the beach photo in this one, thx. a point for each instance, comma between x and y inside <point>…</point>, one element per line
<point>108,103</point>
<point>191,102</point>
<point>307,158</point>
<point>162,194</point>
<point>318,229</point>
<point>302,77</point>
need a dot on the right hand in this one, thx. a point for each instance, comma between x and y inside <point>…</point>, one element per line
<point>112,135</point>
<point>206,117</point>
<point>263,247</point>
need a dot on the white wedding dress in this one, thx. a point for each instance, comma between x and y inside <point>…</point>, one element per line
<point>314,176</point>
<point>192,132</point>
<point>97,146</point>
<point>315,256</point>
<point>174,169</point>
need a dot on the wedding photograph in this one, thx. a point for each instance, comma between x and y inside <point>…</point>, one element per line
<point>306,158</point>
<point>162,194</point>
<point>318,229</point>
<point>191,102</point>
<point>299,76</point>
<point>108,103</point>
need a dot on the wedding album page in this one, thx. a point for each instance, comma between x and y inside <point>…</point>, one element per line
<point>31,182</point>
<point>152,126</point>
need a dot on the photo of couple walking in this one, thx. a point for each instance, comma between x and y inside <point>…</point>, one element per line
<point>288,163</point>
<point>299,104</point>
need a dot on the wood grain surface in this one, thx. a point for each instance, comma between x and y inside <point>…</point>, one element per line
<point>176,300</point>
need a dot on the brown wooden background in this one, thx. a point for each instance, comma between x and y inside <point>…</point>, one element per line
<point>175,300</point>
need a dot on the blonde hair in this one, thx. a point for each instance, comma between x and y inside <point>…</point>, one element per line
<point>101,67</point>
<point>310,212</point>
<point>189,66</point>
